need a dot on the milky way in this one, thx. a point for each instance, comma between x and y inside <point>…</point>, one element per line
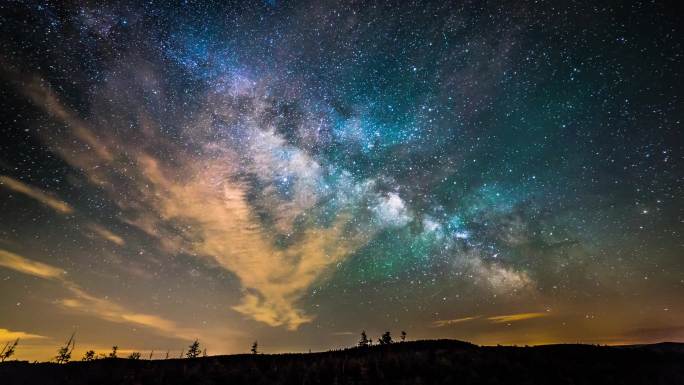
<point>296,172</point>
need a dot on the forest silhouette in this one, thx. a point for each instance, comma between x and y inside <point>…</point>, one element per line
<point>384,362</point>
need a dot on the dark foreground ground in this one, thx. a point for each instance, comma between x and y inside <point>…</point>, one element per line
<point>420,362</point>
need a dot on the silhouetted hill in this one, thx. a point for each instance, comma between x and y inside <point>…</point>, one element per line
<point>419,362</point>
<point>661,346</point>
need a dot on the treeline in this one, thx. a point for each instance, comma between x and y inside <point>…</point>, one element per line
<point>195,350</point>
<point>416,362</point>
<point>385,339</point>
<point>65,352</point>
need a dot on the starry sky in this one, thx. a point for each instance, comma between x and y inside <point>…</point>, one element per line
<point>294,172</point>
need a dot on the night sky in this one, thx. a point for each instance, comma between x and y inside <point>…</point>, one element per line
<point>296,172</point>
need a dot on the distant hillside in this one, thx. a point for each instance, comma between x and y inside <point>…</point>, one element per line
<point>419,362</point>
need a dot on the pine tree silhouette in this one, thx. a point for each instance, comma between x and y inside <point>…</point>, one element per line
<point>255,345</point>
<point>385,339</point>
<point>113,352</point>
<point>194,350</point>
<point>403,336</point>
<point>364,342</point>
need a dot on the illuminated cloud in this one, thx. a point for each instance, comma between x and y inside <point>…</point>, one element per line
<point>26,266</point>
<point>343,333</point>
<point>35,193</point>
<point>449,322</point>
<point>225,230</point>
<point>86,303</point>
<point>106,234</point>
<point>200,205</point>
<point>110,311</point>
<point>516,317</point>
<point>7,335</point>
<point>48,100</point>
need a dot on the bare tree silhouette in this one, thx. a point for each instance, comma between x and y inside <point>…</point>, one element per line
<point>8,350</point>
<point>64,353</point>
<point>134,356</point>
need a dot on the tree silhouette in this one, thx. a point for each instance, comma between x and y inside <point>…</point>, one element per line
<point>364,341</point>
<point>134,356</point>
<point>89,356</point>
<point>113,353</point>
<point>255,345</point>
<point>403,336</point>
<point>385,339</point>
<point>8,350</point>
<point>193,350</point>
<point>64,353</point>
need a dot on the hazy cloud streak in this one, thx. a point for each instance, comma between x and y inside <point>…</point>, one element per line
<point>36,193</point>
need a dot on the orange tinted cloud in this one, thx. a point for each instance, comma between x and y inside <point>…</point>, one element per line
<point>87,303</point>
<point>36,193</point>
<point>447,322</point>
<point>199,206</point>
<point>7,335</point>
<point>106,234</point>
<point>516,317</point>
<point>26,266</point>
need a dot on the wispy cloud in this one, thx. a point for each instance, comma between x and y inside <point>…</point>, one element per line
<point>26,266</point>
<point>6,335</point>
<point>106,234</point>
<point>36,193</point>
<point>516,317</point>
<point>201,205</point>
<point>101,308</point>
<point>449,322</point>
<point>493,319</point>
<point>343,333</point>
<point>87,303</point>
<point>225,230</point>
